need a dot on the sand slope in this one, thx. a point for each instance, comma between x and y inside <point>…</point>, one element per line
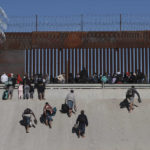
<point>110,128</point>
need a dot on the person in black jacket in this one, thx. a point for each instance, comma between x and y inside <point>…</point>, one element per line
<point>130,97</point>
<point>82,121</point>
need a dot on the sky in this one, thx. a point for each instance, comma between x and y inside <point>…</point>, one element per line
<point>74,7</point>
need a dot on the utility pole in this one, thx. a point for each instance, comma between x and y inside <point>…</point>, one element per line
<point>81,22</point>
<point>36,23</point>
<point>120,22</point>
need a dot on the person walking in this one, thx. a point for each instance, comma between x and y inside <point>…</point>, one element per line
<point>130,97</point>
<point>82,122</point>
<point>71,102</point>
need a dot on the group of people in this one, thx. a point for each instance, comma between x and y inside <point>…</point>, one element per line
<point>49,112</point>
<point>82,77</point>
<point>26,86</point>
<point>70,102</point>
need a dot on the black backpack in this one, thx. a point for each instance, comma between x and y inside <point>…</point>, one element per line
<point>64,108</point>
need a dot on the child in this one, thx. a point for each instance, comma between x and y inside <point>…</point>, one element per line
<point>20,91</point>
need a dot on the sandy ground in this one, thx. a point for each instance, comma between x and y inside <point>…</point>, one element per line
<point>110,128</point>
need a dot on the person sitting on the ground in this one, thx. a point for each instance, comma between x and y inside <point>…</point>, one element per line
<point>61,78</point>
<point>130,97</point>
<point>27,118</point>
<point>48,111</point>
<point>71,102</point>
<point>82,121</point>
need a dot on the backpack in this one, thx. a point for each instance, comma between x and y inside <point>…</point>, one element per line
<point>5,95</point>
<point>54,111</point>
<point>64,108</point>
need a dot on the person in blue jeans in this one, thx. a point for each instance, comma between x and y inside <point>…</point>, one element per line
<point>82,122</point>
<point>27,114</point>
<point>48,112</point>
<point>71,102</point>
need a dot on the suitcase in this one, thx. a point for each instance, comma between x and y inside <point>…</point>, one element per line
<point>64,108</point>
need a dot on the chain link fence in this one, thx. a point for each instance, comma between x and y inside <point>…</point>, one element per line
<point>110,22</point>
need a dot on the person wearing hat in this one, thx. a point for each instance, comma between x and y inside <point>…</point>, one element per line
<point>71,102</point>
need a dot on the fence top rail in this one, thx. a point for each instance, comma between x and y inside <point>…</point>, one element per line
<point>90,86</point>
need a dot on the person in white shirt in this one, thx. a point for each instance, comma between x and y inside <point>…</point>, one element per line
<point>71,102</point>
<point>4,78</point>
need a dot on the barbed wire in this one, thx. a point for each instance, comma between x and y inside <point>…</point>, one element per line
<point>89,22</point>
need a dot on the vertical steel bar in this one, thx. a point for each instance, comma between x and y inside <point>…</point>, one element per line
<point>62,62</point>
<point>51,62</point>
<point>48,71</point>
<point>129,60</point>
<point>76,61</point>
<point>135,59</point>
<point>111,63</point>
<point>55,63</point>
<point>139,59</point>
<point>83,64</point>
<point>44,52</point>
<point>132,59</point>
<point>73,62</point>
<point>97,61</point>
<point>37,60</point>
<point>107,60</point>
<point>146,65</point>
<point>33,61</point>
<point>79,60</point>
<point>69,52</point>
<point>143,65</point>
<point>66,67</point>
<point>41,61</point>
<point>58,61</point>
<point>90,62</point>
<point>30,73</point>
<point>26,61</point>
<point>122,60</point>
<point>115,61</point>
<point>125,60</point>
<point>94,61</point>
<point>104,61</point>
<point>100,61</point>
<point>118,63</point>
<point>87,60</point>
